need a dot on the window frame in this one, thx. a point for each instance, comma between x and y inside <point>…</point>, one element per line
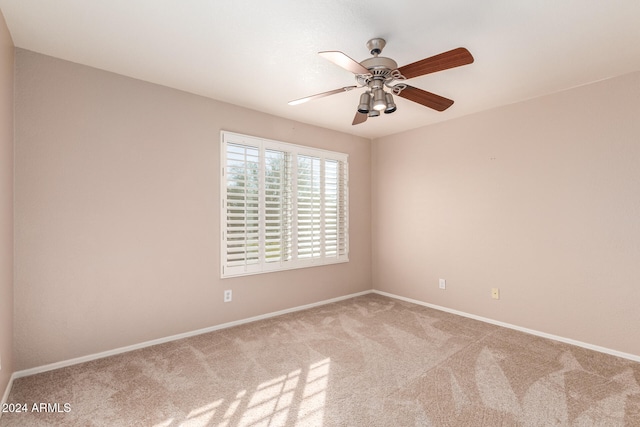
<point>336,217</point>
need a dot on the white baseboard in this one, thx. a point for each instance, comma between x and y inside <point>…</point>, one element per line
<point>90,357</point>
<point>617,353</point>
<point>7,390</point>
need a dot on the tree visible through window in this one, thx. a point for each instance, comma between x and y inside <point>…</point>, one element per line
<point>284,206</point>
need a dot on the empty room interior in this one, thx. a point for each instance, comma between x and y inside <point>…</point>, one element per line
<point>206,220</point>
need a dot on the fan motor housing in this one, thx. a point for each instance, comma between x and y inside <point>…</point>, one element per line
<point>379,65</point>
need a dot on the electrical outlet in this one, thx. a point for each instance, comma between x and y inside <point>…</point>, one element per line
<point>227,295</point>
<point>495,293</point>
<point>442,284</point>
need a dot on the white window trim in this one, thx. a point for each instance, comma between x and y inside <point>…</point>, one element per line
<point>295,150</point>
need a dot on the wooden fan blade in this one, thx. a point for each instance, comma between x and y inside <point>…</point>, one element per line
<point>342,60</point>
<point>444,61</point>
<point>425,98</point>
<point>359,118</point>
<point>321,95</point>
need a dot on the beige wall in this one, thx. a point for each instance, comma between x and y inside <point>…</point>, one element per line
<point>540,199</point>
<point>117,213</point>
<point>6,204</point>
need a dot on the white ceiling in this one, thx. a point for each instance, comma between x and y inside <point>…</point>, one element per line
<point>261,54</point>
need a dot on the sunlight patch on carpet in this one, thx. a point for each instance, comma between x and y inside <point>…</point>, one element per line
<point>311,411</point>
<point>271,402</point>
<point>202,415</point>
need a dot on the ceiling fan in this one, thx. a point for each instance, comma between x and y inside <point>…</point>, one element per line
<point>379,72</point>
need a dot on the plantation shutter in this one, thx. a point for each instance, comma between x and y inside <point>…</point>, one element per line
<point>335,193</point>
<point>277,206</point>
<point>309,208</point>
<point>242,212</point>
<point>284,206</point>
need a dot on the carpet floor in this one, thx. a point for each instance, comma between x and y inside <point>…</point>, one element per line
<point>366,361</point>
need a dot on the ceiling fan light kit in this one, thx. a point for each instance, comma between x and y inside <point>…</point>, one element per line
<point>379,72</point>
<point>365,101</point>
<point>391,106</point>
<point>379,99</point>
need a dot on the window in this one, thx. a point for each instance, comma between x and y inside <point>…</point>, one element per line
<point>284,206</point>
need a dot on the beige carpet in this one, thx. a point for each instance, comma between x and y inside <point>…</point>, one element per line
<point>366,361</point>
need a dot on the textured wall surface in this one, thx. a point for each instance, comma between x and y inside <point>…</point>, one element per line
<point>117,213</point>
<point>540,199</point>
